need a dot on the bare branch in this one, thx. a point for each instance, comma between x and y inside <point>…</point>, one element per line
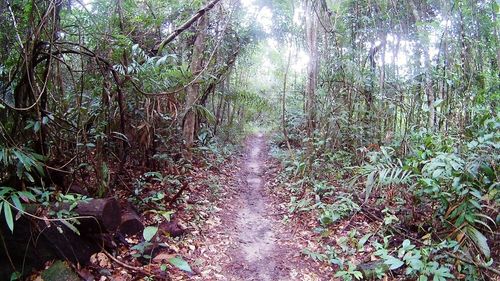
<point>187,24</point>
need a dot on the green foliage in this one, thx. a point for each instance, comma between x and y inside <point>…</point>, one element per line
<point>386,71</point>
<point>15,276</point>
<point>383,170</point>
<point>213,150</point>
<point>419,261</point>
<point>350,273</point>
<point>104,180</point>
<point>340,208</point>
<point>465,185</point>
<point>26,162</point>
<point>144,249</point>
<point>145,196</point>
<point>461,176</point>
<point>149,232</point>
<point>313,255</point>
<point>11,199</point>
<point>180,264</point>
<point>301,205</point>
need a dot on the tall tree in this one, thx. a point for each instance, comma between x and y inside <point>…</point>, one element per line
<point>312,67</point>
<point>192,90</point>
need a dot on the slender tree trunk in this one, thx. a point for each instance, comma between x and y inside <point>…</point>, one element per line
<point>283,102</point>
<point>121,94</point>
<point>42,112</point>
<point>428,90</point>
<point>312,67</point>
<point>218,110</point>
<point>192,91</point>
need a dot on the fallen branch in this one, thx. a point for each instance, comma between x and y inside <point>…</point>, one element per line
<point>463,259</point>
<point>127,266</point>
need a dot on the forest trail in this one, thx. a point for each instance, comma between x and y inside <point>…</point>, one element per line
<point>250,242</point>
<point>256,254</point>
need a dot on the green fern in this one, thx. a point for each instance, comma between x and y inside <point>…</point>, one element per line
<point>383,175</point>
<point>382,170</point>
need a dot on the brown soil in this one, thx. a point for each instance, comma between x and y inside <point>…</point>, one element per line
<point>248,240</point>
<point>256,255</point>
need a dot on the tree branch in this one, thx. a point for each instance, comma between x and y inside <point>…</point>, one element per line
<point>187,24</point>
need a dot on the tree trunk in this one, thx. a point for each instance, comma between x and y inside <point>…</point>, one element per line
<point>429,93</point>
<point>189,125</point>
<point>283,102</point>
<point>312,67</point>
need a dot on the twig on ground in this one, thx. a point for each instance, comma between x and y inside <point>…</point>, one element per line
<point>128,266</point>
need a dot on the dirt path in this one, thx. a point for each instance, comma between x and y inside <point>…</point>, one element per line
<point>245,238</point>
<point>256,255</point>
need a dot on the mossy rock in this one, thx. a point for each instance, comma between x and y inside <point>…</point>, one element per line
<point>370,269</point>
<point>59,271</point>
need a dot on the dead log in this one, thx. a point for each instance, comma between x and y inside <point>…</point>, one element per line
<point>106,211</point>
<point>130,223</point>
<point>36,241</point>
<point>101,215</point>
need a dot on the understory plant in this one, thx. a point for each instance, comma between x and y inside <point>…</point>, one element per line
<point>456,181</point>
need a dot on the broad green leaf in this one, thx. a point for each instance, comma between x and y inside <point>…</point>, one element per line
<point>149,232</point>
<point>339,274</point>
<point>363,240</point>
<point>415,263</point>
<point>135,47</point>
<point>161,61</point>
<point>180,264</point>
<point>4,190</point>
<point>29,177</point>
<point>480,240</point>
<point>15,276</point>
<point>27,196</point>
<point>17,202</point>
<point>357,274</point>
<point>442,274</point>
<point>37,126</point>
<point>7,212</point>
<point>422,278</point>
<point>393,263</point>
<point>437,102</point>
<point>336,262</point>
<point>24,161</point>
<point>70,226</point>
<point>437,173</point>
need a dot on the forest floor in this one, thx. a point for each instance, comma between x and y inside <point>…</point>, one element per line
<point>235,226</point>
<point>247,240</point>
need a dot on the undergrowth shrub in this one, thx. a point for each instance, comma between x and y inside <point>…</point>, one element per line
<point>452,180</point>
<point>456,180</point>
